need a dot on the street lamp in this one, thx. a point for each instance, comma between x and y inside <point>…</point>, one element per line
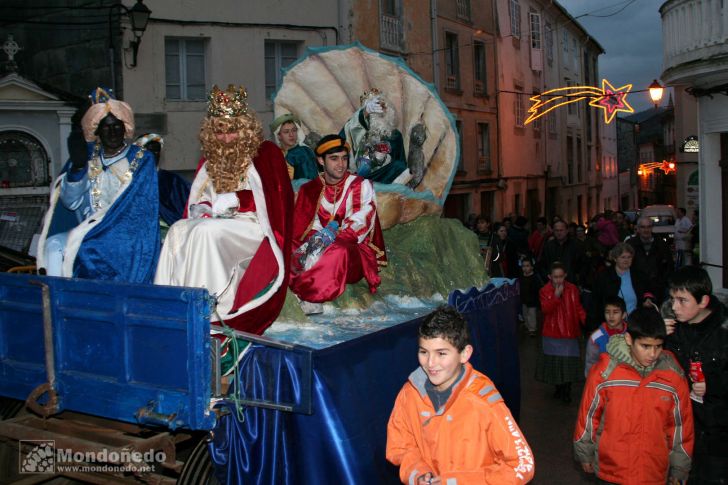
<point>656,92</point>
<point>139,16</point>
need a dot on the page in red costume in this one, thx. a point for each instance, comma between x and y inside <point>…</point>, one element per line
<point>347,260</point>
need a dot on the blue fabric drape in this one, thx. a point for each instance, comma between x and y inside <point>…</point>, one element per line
<point>173,194</point>
<point>354,385</point>
<point>125,245</point>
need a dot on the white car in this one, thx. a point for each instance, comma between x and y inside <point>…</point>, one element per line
<point>663,220</point>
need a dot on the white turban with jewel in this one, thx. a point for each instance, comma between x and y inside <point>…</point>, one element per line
<point>103,104</point>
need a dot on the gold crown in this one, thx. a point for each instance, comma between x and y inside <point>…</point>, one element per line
<point>368,94</point>
<point>227,104</point>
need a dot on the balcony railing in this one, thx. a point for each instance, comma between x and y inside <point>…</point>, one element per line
<point>463,9</point>
<point>390,35</point>
<point>693,32</point>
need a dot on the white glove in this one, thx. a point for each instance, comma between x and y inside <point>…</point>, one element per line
<point>200,210</point>
<point>373,105</point>
<point>225,203</point>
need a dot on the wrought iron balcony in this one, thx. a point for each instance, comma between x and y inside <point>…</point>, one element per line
<point>390,36</point>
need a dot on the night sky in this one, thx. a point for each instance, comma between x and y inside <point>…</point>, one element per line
<point>631,37</point>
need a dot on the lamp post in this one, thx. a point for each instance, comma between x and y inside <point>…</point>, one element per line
<point>138,17</point>
<point>656,90</point>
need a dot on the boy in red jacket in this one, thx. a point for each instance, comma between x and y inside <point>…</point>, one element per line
<point>635,424</point>
<point>563,316</point>
<point>449,423</point>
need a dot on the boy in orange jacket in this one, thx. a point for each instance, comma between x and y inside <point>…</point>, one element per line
<point>635,424</point>
<point>449,423</point>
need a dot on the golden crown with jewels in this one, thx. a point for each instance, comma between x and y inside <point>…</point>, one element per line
<point>369,94</point>
<point>230,103</point>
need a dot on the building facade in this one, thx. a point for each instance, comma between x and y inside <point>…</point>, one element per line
<point>486,59</point>
<point>465,57</point>
<point>695,48</point>
<point>185,49</point>
<point>549,165</point>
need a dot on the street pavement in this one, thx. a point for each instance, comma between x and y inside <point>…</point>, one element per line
<point>547,422</point>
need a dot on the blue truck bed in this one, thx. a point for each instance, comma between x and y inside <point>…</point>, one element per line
<point>119,349</point>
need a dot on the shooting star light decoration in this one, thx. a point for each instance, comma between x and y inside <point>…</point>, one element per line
<point>608,98</point>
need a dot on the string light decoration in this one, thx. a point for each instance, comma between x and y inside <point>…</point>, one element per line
<point>649,167</point>
<point>612,100</point>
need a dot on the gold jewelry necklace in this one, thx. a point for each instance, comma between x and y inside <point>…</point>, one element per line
<point>123,147</point>
<point>95,169</point>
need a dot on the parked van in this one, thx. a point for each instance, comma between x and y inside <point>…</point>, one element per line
<point>663,220</point>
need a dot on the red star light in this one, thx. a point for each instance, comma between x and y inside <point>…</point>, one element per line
<point>612,100</point>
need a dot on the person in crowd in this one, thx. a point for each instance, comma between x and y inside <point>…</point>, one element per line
<point>508,222</point>
<point>530,284</point>
<point>518,234</point>
<point>377,144</point>
<point>571,230</point>
<point>695,236</point>
<point>683,239</point>
<point>569,252</point>
<point>699,339</point>
<point>336,232</point>
<point>623,226</point>
<point>615,323</point>
<point>563,316</point>
<point>485,237</point>
<point>103,220</point>
<point>619,279</point>
<point>652,259</point>
<point>173,189</point>
<point>288,134</point>
<point>236,237</point>
<point>607,232</point>
<point>504,259</point>
<point>449,423</point>
<point>538,237</point>
<point>635,424</point>
<point>471,222</point>
<point>593,256</point>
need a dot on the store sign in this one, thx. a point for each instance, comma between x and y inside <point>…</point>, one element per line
<point>690,145</point>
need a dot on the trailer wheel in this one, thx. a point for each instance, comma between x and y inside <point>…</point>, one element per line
<point>9,408</point>
<point>198,469</point>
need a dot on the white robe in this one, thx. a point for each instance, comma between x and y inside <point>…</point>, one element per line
<point>214,253</point>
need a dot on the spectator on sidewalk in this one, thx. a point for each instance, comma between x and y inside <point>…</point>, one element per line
<point>683,239</point>
<point>615,316</point>
<point>635,424</point>
<point>621,280</point>
<point>652,259</point>
<point>538,237</point>
<point>449,423</point>
<point>530,284</point>
<point>504,259</point>
<point>569,252</point>
<point>699,339</point>
<point>563,316</point>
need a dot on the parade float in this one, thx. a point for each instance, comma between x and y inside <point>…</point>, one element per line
<point>308,401</point>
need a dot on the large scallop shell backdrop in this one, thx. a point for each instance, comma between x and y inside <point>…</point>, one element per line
<point>322,89</point>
